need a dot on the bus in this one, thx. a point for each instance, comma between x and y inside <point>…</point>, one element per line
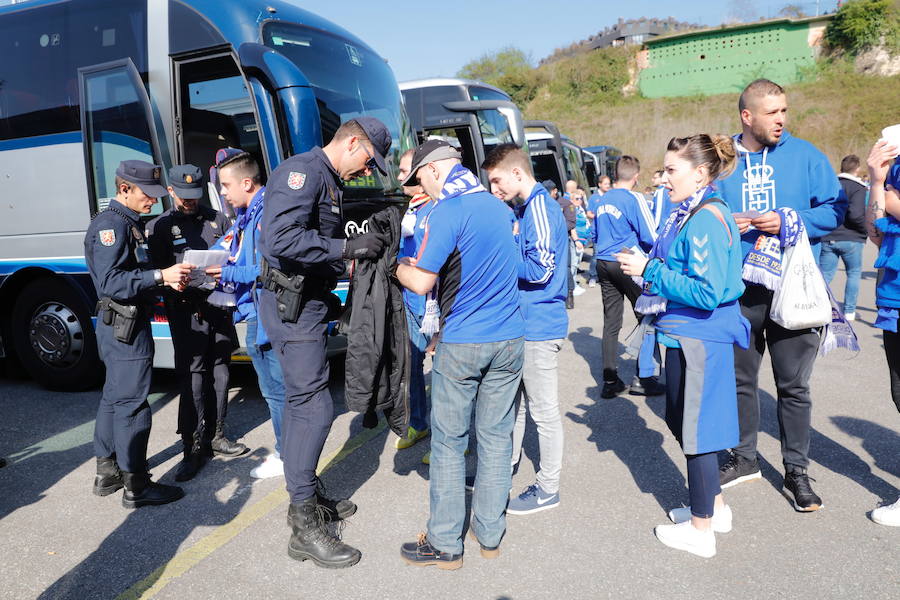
<point>469,114</point>
<point>554,156</point>
<point>605,157</point>
<point>85,84</point>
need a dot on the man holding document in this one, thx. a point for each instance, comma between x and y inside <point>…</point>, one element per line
<point>203,335</point>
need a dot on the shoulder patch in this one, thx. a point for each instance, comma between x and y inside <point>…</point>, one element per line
<point>296,180</point>
<point>107,237</point>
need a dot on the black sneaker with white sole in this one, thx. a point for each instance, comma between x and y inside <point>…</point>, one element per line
<point>738,469</point>
<point>800,492</point>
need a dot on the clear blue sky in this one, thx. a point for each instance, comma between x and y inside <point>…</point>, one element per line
<point>427,38</point>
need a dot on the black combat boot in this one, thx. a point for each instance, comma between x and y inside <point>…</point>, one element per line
<point>192,462</point>
<point>311,539</point>
<point>337,510</point>
<point>222,446</point>
<point>140,491</point>
<point>109,477</point>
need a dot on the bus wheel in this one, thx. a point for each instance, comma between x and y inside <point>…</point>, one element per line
<point>54,338</point>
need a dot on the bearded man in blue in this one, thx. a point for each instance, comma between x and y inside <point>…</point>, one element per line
<point>781,186</point>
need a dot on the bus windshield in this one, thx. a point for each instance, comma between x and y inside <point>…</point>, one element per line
<point>349,80</point>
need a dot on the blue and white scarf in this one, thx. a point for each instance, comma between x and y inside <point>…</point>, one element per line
<point>224,293</point>
<point>459,182</point>
<point>762,265</point>
<point>650,304</point>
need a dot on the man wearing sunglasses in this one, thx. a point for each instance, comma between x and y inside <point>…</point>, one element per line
<point>303,247</point>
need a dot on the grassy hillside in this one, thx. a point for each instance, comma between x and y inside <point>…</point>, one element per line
<point>838,110</point>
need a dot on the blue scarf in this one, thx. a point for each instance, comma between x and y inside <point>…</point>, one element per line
<point>459,182</point>
<point>650,304</point>
<point>224,293</point>
<point>762,265</point>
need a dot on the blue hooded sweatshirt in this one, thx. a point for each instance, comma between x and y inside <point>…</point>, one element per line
<point>620,221</point>
<point>543,284</point>
<point>244,270</point>
<point>793,173</point>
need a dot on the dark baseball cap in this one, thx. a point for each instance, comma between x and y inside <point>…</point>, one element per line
<point>144,175</point>
<point>380,137</point>
<point>187,181</point>
<point>430,151</point>
<point>549,185</point>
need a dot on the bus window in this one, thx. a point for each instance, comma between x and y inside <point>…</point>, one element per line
<point>116,127</point>
<point>216,111</point>
<point>461,138</point>
<point>483,93</point>
<point>494,129</point>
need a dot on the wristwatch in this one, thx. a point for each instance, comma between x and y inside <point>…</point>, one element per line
<point>158,276</point>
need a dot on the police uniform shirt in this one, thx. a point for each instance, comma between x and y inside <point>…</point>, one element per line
<point>173,232</point>
<point>117,255</point>
<point>301,224</point>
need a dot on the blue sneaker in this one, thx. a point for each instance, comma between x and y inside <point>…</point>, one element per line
<point>533,499</point>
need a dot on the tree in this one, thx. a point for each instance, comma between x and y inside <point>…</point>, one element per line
<point>492,66</point>
<point>860,24</point>
<point>742,11</point>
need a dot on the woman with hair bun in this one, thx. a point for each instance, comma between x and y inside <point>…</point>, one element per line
<point>692,280</point>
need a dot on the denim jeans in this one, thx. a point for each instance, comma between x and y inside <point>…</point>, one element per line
<point>539,397</point>
<point>271,381</point>
<point>418,402</point>
<point>592,265</point>
<point>851,254</point>
<point>486,377</point>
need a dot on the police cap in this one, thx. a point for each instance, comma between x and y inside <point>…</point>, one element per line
<point>187,181</point>
<point>144,175</point>
<point>380,137</point>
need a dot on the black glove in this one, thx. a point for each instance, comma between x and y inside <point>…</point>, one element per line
<point>367,246</point>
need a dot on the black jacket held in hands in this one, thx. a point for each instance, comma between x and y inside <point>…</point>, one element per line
<point>377,363</point>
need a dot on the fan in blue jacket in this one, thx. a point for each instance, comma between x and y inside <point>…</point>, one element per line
<point>777,178</point>
<point>692,281</point>
<point>543,241</point>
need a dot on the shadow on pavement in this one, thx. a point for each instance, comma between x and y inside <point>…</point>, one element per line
<point>882,444</point>
<point>616,426</point>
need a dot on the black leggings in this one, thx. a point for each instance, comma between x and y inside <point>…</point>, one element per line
<point>892,353</point>
<point>703,483</point>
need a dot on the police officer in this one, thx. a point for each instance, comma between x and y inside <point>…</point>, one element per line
<point>118,259</point>
<point>303,247</point>
<point>202,335</point>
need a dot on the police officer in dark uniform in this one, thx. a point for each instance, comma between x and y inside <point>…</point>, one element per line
<point>118,259</point>
<point>203,335</point>
<point>303,247</point>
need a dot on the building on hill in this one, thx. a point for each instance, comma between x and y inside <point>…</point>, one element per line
<point>623,33</point>
<point>727,58</point>
<point>637,31</point>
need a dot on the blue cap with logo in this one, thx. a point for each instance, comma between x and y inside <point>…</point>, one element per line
<point>187,181</point>
<point>380,137</point>
<point>144,175</point>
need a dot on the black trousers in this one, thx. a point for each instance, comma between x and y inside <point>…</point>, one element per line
<point>793,354</point>
<point>308,407</point>
<point>892,353</point>
<point>615,286</point>
<point>123,421</point>
<point>203,338</point>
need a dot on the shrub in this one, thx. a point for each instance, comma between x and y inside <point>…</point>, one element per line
<point>860,24</point>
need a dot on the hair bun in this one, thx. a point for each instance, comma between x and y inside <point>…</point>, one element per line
<point>727,153</point>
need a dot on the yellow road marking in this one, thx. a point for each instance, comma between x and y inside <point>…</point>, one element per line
<point>182,562</point>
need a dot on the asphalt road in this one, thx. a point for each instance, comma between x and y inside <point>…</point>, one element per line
<point>623,470</point>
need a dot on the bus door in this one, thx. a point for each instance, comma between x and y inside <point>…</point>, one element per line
<point>116,125</point>
<point>214,108</point>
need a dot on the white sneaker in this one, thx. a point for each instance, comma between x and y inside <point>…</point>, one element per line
<point>578,290</point>
<point>851,316</point>
<point>888,515</point>
<point>684,536</point>
<point>721,520</point>
<point>271,467</point>
<point>592,283</point>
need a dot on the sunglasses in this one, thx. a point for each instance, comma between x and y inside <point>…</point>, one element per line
<point>370,163</point>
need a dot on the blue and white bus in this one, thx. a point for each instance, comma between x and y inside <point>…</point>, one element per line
<point>85,84</point>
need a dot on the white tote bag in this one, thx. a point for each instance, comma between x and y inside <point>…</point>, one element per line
<point>802,299</point>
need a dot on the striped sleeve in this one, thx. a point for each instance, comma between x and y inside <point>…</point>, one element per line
<point>538,260</point>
